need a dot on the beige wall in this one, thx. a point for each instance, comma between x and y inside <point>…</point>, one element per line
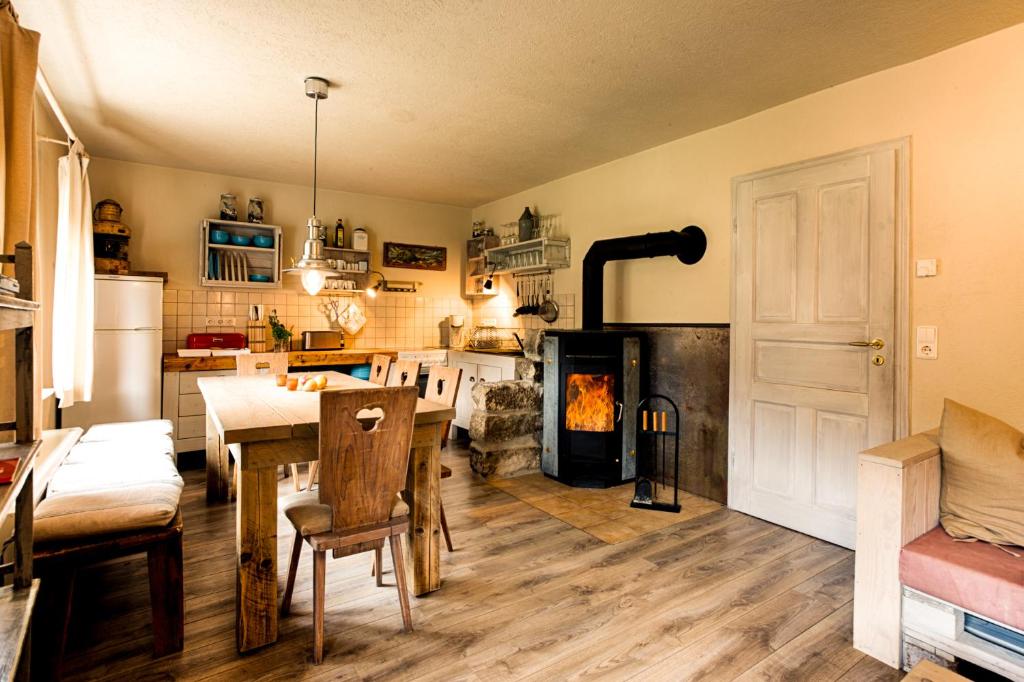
<point>963,111</point>
<point>164,207</point>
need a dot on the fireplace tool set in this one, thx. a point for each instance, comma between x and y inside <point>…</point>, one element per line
<point>656,446</point>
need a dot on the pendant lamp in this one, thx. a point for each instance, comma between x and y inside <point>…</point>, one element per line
<point>312,267</point>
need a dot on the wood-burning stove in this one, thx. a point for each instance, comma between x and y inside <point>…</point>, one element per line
<point>594,378</point>
<point>592,382</point>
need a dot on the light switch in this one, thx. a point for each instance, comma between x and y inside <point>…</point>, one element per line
<point>927,267</point>
<point>928,342</point>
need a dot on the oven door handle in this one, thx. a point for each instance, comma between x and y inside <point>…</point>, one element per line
<point>621,407</point>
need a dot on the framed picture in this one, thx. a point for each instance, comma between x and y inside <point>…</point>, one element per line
<point>415,257</point>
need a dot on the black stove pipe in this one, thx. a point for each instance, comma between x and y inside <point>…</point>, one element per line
<point>688,245</point>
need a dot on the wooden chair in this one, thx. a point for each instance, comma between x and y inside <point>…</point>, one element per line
<point>379,369</point>
<point>270,364</point>
<point>404,373</point>
<point>443,387</point>
<point>365,436</point>
<point>250,364</point>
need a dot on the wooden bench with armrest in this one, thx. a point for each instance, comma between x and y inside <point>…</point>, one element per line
<point>898,490</point>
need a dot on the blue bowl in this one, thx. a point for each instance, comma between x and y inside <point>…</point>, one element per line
<point>263,241</point>
<point>219,236</point>
<point>259,278</point>
<point>240,240</point>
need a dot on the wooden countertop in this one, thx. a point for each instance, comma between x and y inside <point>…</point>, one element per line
<point>296,358</point>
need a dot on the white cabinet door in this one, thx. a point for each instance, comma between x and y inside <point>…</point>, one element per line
<point>488,373</point>
<point>464,400</point>
<point>815,263</point>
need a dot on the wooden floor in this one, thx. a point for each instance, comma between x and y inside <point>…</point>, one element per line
<point>525,596</point>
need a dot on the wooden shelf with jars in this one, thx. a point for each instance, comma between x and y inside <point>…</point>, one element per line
<point>477,268</point>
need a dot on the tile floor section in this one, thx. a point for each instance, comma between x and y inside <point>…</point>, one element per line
<point>603,513</point>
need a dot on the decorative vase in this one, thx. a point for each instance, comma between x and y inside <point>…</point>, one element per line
<point>526,225</point>
<point>282,345</point>
<point>228,208</point>
<point>255,210</point>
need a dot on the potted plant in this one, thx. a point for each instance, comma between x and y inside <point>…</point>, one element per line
<point>282,334</point>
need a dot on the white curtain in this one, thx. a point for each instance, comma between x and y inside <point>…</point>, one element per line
<point>73,282</point>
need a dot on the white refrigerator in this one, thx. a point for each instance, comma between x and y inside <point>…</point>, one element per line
<point>127,353</point>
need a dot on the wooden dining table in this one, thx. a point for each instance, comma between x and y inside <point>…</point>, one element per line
<point>274,426</point>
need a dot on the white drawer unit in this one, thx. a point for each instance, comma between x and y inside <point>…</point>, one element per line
<point>183,404</point>
<point>477,368</point>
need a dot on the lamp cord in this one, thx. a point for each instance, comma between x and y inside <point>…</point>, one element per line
<point>316,121</point>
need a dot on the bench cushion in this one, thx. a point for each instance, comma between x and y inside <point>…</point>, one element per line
<point>104,487</point>
<point>105,512</point>
<point>975,576</point>
<point>128,430</point>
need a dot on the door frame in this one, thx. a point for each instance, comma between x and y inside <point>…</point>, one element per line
<point>901,355</point>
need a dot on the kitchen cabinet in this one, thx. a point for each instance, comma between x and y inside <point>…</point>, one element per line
<point>183,405</point>
<point>477,368</point>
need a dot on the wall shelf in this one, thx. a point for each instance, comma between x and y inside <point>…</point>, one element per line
<point>531,256</point>
<point>477,268</point>
<point>229,266</point>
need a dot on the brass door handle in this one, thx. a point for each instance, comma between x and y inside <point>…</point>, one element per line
<point>877,344</point>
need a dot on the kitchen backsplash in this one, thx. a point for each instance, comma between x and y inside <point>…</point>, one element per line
<point>501,309</point>
<point>392,320</point>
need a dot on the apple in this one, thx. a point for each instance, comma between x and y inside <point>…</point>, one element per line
<point>321,380</point>
<point>309,385</point>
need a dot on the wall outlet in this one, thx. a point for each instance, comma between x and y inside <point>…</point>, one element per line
<point>220,322</point>
<point>928,342</point>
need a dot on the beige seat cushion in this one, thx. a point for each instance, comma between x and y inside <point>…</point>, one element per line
<point>105,512</point>
<point>127,431</point>
<point>309,517</point>
<point>982,477</point>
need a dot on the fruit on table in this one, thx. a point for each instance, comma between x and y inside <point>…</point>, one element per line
<point>309,385</point>
<point>321,380</point>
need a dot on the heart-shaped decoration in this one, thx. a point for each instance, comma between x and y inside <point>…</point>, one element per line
<point>370,418</point>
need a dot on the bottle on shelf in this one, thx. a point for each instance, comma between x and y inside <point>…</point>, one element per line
<point>339,235</point>
<point>526,225</point>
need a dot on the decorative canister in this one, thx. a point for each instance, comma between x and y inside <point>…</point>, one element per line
<point>360,239</point>
<point>255,213</point>
<point>228,207</point>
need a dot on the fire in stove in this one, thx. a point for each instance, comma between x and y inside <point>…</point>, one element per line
<point>590,402</point>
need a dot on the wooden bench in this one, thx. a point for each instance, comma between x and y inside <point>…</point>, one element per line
<point>115,494</point>
<point>898,489</point>
<point>57,565</point>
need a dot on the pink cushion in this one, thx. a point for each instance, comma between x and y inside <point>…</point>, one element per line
<point>975,576</point>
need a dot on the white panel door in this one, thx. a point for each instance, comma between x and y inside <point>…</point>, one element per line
<point>815,257</point>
